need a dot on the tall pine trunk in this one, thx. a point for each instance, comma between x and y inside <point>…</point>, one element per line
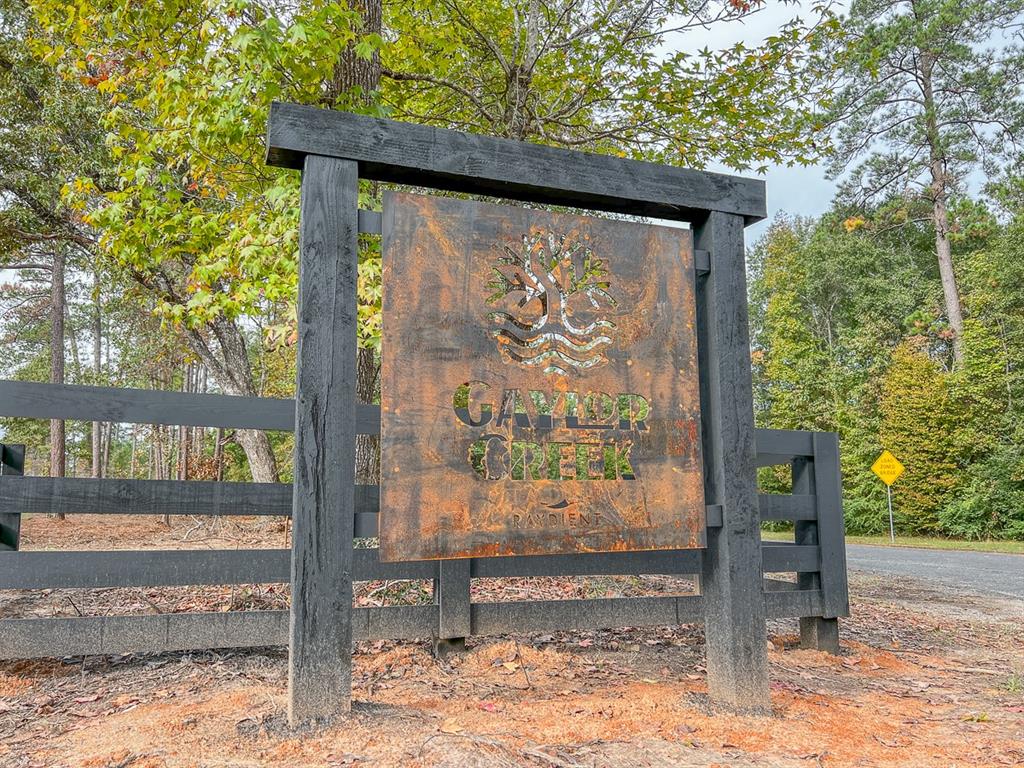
<point>367,446</point>
<point>944,252</point>
<point>135,445</point>
<point>939,192</point>
<point>97,367</point>
<point>57,307</point>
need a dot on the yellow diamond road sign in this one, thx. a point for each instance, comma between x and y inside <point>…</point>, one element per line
<point>887,467</point>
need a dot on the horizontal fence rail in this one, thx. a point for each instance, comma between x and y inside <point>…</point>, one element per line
<point>46,495</point>
<point>76,402</point>
<point>100,635</point>
<point>38,400</point>
<point>154,568</point>
<point>817,555</point>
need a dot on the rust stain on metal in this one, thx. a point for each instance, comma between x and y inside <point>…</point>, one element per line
<point>539,389</point>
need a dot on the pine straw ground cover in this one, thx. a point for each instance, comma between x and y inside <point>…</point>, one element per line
<point>926,678</point>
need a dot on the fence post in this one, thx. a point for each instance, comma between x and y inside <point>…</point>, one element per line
<point>12,462</point>
<point>323,507</point>
<point>816,633</point>
<point>453,605</point>
<point>831,526</point>
<point>731,580</point>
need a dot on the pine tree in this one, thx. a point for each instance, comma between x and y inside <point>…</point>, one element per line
<point>928,98</point>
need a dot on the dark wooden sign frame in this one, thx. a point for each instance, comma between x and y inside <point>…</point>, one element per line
<point>334,150</point>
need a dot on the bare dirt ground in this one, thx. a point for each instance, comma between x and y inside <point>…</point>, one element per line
<point>926,678</point>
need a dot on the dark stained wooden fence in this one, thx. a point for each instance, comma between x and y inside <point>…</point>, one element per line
<point>817,555</point>
<point>335,151</point>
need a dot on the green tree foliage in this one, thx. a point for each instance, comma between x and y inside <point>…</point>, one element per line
<point>990,502</point>
<point>49,137</point>
<point>824,319</point>
<point>622,78</point>
<point>196,218</point>
<point>849,336</point>
<point>919,422</point>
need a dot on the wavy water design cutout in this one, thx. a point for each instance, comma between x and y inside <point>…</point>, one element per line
<point>553,292</point>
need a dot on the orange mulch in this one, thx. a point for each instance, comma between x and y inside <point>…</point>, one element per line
<point>611,698</point>
<point>926,678</point>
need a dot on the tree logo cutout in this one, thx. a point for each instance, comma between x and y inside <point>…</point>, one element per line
<point>556,292</point>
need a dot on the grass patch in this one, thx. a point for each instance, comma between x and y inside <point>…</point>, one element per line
<point>921,542</point>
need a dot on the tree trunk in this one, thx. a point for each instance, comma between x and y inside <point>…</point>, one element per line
<point>940,217</point>
<point>943,249</point>
<point>262,464</point>
<point>183,436</point>
<point>109,433</point>
<point>228,363</point>
<point>367,446</point>
<point>160,461</point>
<point>97,367</point>
<point>158,451</point>
<point>135,445</point>
<point>57,307</point>
<point>360,77</point>
<point>218,454</point>
<point>199,433</point>
<point>354,74</point>
<point>69,336</point>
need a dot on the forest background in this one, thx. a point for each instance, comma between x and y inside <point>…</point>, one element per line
<point>143,243</point>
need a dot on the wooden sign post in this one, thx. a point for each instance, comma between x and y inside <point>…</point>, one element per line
<point>674,379</point>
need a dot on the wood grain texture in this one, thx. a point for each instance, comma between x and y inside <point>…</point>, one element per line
<point>553,615</point>
<point>792,603</point>
<point>784,506</point>
<point>114,496</point>
<point>782,442</point>
<point>150,568</point>
<point>420,155</point>
<point>369,222</point>
<point>39,400</point>
<point>451,590</point>
<point>737,660</point>
<point>604,564</point>
<point>831,528</point>
<point>805,532</point>
<point>12,464</point>
<point>323,514</point>
<point>99,635</point>
<point>367,566</point>
<point>818,634</point>
<point>102,635</point>
<point>780,557</point>
<point>36,400</point>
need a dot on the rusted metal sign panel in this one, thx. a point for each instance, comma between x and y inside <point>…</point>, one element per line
<point>539,383</point>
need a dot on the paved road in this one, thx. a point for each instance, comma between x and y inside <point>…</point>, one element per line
<point>983,572</point>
